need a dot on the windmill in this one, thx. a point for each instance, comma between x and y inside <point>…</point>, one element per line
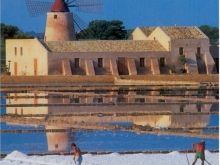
<point>61,23</point>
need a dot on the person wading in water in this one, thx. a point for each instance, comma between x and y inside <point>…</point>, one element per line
<point>200,148</point>
<point>77,157</point>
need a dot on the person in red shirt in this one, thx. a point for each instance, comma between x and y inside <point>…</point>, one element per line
<point>200,148</point>
<point>77,154</point>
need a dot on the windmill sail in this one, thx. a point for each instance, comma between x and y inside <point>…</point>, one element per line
<point>79,24</point>
<point>37,8</point>
<point>58,11</point>
<point>89,6</point>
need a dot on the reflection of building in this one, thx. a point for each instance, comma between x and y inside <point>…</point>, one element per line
<point>102,102</point>
<point>144,120</point>
<point>19,99</point>
<point>59,141</point>
<point>112,103</point>
<point>120,103</point>
<point>150,50</point>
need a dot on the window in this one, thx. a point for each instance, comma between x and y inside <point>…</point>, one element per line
<point>142,64</point>
<point>161,101</point>
<point>100,62</point>
<point>198,50</point>
<point>76,100</point>
<point>76,62</point>
<point>100,100</point>
<point>142,100</point>
<point>162,62</point>
<point>199,107</point>
<point>56,145</point>
<point>15,51</point>
<point>182,108</point>
<point>21,51</point>
<point>55,16</point>
<point>181,51</point>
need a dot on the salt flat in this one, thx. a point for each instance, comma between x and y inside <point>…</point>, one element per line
<point>18,158</point>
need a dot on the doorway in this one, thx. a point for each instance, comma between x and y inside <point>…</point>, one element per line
<point>35,67</point>
<point>15,68</point>
<point>121,66</point>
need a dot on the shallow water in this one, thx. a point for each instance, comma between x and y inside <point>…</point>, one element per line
<point>104,108</point>
<point>98,141</point>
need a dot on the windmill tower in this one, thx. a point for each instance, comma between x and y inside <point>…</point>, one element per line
<point>62,24</point>
<point>59,25</point>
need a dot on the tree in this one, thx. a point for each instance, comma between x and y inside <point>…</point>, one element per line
<point>183,60</point>
<point>211,32</point>
<point>22,35</point>
<point>104,30</point>
<point>8,31</point>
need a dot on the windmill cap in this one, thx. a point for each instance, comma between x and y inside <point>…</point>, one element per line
<point>59,6</point>
<point>202,141</point>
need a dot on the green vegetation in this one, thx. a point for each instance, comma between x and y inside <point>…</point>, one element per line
<point>8,31</point>
<point>182,59</point>
<point>104,30</point>
<point>5,68</point>
<point>212,33</point>
<point>2,52</point>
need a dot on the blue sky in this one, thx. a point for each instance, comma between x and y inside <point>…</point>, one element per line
<point>133,13</point>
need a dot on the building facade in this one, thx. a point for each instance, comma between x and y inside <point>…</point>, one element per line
<point>149,50</point>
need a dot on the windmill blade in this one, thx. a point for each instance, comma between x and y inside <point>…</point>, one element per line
<point>37,8</point>
<point>89,6</point>
<point>69,2</point>
<point>79,24</point>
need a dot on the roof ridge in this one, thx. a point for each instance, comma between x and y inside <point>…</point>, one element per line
<point>101,41</point>
<point>183,32</point>
<point>106,46</point>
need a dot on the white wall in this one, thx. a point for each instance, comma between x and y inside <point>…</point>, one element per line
<point>31,49</point>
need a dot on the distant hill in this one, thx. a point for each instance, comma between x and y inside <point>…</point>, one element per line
<point>38,35</point>
<point>41,35</point>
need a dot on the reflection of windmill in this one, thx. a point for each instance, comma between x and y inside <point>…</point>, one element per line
<point>61,23</point>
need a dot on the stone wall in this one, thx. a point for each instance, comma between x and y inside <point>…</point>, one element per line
<point>36,80</point>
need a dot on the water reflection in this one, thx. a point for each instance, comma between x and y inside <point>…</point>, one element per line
<point>89,103</point>
<point>59,141</point>
<point>142,108</point>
